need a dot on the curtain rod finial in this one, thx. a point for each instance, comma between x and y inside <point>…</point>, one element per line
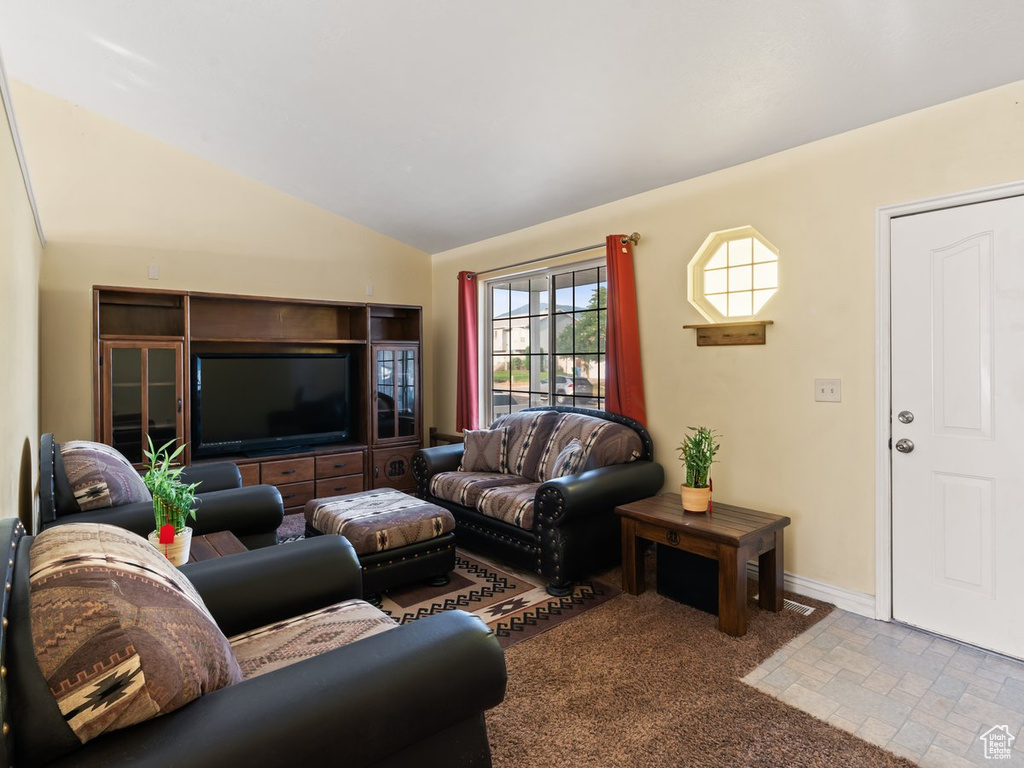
<point>634,239</point>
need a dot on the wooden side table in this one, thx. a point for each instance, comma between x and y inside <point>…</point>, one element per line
<point>731,535</point>
<point>214,545</point>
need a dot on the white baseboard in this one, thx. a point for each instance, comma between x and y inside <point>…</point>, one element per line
<point>860,603</point>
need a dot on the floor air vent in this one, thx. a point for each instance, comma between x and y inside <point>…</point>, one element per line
<point>791,605</point>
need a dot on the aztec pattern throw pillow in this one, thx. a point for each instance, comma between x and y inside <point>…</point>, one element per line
<point>120,634</point>
<point>486,450</point>
<point>100,476</point>
<point>568,461</point>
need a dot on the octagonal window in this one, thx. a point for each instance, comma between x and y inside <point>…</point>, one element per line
<point>733,275</point>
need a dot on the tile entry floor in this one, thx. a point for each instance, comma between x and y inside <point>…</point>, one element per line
<point>922,697</point>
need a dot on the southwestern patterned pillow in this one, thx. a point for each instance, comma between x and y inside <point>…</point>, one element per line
<point>486,450</point>
<point>119,634</point>
<point>100,476</point>
<point>529,433</point>
<point>568,461</point>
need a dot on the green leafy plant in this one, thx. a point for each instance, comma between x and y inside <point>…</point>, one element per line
<point>697,453</point>
<point>172,499</point>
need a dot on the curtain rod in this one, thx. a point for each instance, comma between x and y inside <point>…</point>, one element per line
<point>634,239</point>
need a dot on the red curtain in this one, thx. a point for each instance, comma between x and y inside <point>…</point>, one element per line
<point>467,404</point>
<point>624,376</point>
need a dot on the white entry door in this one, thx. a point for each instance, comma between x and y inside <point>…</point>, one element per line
<point>958,423</point>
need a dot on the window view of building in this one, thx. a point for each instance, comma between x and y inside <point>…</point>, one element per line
<point>547,339</point>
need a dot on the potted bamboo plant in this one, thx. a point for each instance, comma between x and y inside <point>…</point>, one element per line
<point>697,453</point>
<point>172,502</point>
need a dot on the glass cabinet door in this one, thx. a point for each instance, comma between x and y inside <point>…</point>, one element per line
<point>384,393</point>
<point>162,394</point>
<point>142,393</point>
<point>396,393</point>
<point>126,402</point>
<point>406,393</point>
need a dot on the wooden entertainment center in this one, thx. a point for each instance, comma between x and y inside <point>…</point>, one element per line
<point>145,339</point>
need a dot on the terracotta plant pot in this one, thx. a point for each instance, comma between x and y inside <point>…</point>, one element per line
<point>695,500</point>
<point>178,550</point>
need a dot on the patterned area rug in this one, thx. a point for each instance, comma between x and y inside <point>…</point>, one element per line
<point>293,528</point>
<point>512,603</point>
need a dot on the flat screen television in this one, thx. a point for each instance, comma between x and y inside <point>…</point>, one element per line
<point>257,404</point>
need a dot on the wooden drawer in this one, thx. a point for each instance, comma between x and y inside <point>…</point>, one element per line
<point>338,464</point>
<point>250,474</point>
<point>288,471</point>
<point>339,486</point>
<point>295,495</point>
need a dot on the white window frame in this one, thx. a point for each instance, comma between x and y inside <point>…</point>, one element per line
<point>487,325</point>
<point>696,289</point>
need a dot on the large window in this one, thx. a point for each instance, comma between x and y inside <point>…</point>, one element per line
<point>547,339</point>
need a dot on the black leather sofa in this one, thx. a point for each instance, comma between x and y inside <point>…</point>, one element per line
<point>252,513</point>
<point>412,696</point>
<point>575,531</point>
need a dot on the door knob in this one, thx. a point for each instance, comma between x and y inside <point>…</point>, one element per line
<point>905,417</point>
<point>905,446</point>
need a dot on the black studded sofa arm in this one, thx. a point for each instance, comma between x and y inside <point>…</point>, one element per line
<point>431,461</point>
<point>575,497</point>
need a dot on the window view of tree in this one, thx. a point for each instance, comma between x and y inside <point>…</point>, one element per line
<point>551,322</point>
<point>587,332</point>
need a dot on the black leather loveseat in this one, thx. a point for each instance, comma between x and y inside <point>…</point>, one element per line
<point>523,502</point>
<point>413,695</point>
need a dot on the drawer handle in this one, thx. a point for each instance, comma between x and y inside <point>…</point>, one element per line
<point>288,472</point>
<point>340,466</point>
<point>289,496</point>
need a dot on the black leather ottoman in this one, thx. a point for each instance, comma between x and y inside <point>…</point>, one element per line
<point>399,539</point>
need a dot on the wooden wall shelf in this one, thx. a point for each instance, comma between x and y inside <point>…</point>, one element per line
<point>731,334</point>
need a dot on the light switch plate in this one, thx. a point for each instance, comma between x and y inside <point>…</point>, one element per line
<point>828,390</point>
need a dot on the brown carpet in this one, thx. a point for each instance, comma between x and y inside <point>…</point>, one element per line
<point>644,682</point>
<point>647,682</point>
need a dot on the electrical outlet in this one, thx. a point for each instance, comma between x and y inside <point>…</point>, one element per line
<point>154,272</point>
<point>828,390</point>
<point>369,289</point>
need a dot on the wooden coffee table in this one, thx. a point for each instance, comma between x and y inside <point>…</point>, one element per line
<point>214,545</point>
<point>731,535</point>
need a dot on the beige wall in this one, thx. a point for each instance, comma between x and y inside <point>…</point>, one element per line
<point>782,452</point>
<point>20,254</point>
<point>117,201</point>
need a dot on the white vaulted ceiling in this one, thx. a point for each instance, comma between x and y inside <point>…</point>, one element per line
<point>446,122</point>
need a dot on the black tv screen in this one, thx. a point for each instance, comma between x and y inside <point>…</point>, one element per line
<point>245,403</point>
